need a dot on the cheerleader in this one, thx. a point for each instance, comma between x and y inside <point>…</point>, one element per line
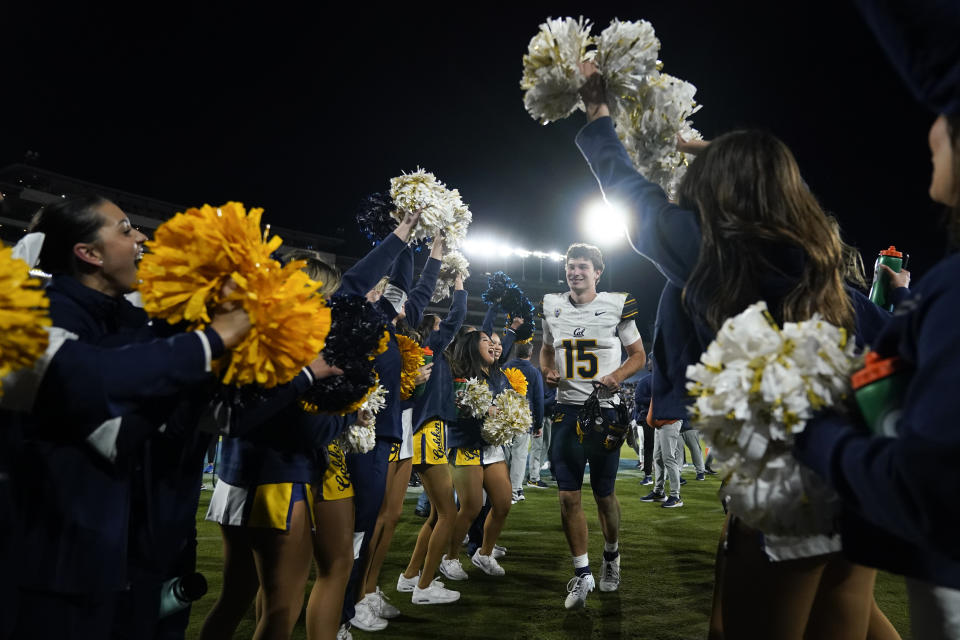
<point>368,472</point>
<point>105,390</point>
<point>434,410</point>
<point>401,454</point>
<point>476,465</point>
<point>780,248</point>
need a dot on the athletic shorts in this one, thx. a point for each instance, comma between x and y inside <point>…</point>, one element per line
<point>480,457</point>
<point>403,450</point>
<point>336,479</point>
<point>267,506</point>
<point>569,456</point>
<point>430,443</point>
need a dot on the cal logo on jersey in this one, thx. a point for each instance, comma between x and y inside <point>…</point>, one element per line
<point>578,332</point>
<point>556,313</point>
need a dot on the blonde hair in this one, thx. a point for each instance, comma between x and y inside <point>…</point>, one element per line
<point>318,270</point>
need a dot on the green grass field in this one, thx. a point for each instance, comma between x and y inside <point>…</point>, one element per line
<point>667,565</point>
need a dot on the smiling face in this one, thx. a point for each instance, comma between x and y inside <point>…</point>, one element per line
<point>115,251</point>
<point>497,346</point>
<point>943,188</point>
<point>582,276</point>
<point>486,350</point>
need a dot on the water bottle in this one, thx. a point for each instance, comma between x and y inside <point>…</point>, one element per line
<point>427,359</point>
<point>176,594</point>
<point>880,387</point>
<point>879,292</point>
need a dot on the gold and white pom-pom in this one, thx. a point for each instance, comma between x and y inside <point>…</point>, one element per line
<point>453,264</point>
<point>511,418</point>
<point>626,56</point>
<point>551,78</point>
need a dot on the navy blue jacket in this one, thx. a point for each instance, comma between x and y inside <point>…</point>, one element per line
<point>437,401</point>
<point>641,398</point>
<point>506,340</point>
<point>465,432</point>
<point>359,280</point>
<point>906,487</point>
<point>534,389</point>
<point>76,507</point>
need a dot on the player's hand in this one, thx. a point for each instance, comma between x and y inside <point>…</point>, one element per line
<point>538,433</point>
<point>610,383</point>
<point>897,279</point>
<point>551,377</point>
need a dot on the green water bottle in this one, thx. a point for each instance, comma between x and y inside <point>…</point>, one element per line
<point>880,291</point>
<point>880,387</point>
<point>427,359</point>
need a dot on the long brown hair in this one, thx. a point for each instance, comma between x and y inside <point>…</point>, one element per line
<point>754,210</point>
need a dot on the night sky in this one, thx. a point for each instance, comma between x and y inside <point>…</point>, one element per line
<point>304,114</point>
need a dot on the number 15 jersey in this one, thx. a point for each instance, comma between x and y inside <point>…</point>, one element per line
<point>587,338</point>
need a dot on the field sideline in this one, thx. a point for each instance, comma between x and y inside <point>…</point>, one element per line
<point>667,564</point>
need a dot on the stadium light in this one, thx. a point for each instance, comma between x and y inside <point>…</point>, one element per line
<point>489,248</point>
<point>604,223</point>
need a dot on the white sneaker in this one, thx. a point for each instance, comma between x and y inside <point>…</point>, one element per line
<point>434,594</point>
<point>610,575</point>
<point>577,590</point>
<point>452,569</point>
<point>365,619</point>
<point>344,633</point>
<point>514,498</point>
<point>487,564</point>
<point>498,551</point>
<point>406,585</point>
<point>379,603</point>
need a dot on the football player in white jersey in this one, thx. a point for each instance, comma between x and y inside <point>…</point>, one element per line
<point>583,330</point>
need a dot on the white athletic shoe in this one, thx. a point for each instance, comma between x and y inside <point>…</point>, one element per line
<point>452,569</point>
<point>498,551</point>
<point>434,594</point>
<point>365,619</point>
<point>344,633</point>
<point>610,575</point>
<point>406,585</point>
<point>487,564</point>
<point>379,603</point>
<point>577,590</point>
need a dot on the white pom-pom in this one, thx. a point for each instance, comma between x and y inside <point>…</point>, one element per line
<point>441,210</point>
<point>453,264</point>
<point>757,385</point>
<point>475,398</point>
<point>551,78</point>
<point>376,401</point>
<point>626,56</point>
<point>358,439</point>
<point>648,123</point>
<point>511,418</point>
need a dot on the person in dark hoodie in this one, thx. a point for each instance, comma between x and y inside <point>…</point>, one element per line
<point>900,492</point>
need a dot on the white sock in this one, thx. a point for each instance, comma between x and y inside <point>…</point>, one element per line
<point>611,547</point>
<point>580,562</point>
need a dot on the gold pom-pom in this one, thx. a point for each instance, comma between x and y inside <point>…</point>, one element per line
<point>517,380</point>
<point>196,252</point>
<point>382,347</point>
<point>23,315</point>
<point>412,356</point>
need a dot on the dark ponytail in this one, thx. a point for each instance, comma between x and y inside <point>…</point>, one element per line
<point>64,224</point>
